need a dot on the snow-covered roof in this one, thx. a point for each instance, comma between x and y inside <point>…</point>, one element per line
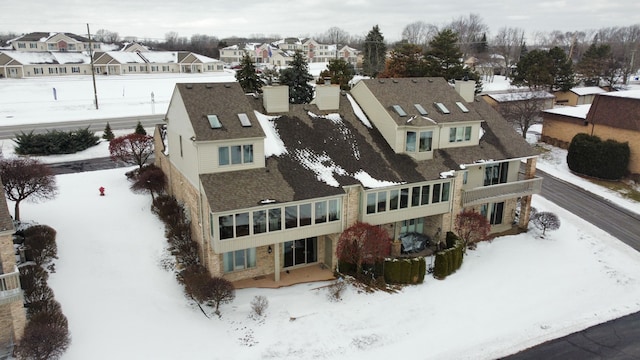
<point>205,59</point>
<point>520,95</point>
<point>630,94</point>
<point>579,111</point>
<point>126,57</point>
<point>30,58</point>
<point>587,90</point>
<point>160,57</point>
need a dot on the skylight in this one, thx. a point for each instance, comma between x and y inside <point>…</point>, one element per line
<point>420,109</point>
<point>462,107</point>
<point>214,122</point>
<point>443,109</point>
<point>244,120</point>
<point>399,110</point>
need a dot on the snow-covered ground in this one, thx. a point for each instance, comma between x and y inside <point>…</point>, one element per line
<point>512,293</point>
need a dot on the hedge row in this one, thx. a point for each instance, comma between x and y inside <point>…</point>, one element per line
<point>591,156</point>
<point>405,271</point>
<point>448,260</point>
<point>55,142</point>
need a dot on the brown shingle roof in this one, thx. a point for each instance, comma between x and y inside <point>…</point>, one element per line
<point>226,101</point>
<point>615,110</point>
<point>352,147</point>
<point>407,92</point>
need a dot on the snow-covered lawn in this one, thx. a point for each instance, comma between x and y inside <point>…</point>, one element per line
<point>122,302</point>
<point>509,294</point>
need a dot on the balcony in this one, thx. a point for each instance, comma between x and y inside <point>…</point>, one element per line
<point>10,290</point>
<point>500,192</point>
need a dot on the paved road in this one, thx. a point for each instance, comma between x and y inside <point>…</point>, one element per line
<point>615,340</point>
<point>70,167</point>
<point>127,122</point>
<point>617,221</point>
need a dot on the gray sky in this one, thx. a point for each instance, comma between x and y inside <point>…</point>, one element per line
<point>148,19</point>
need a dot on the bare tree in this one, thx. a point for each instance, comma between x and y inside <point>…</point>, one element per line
<point>469,30</point>
<point>106,36</point>
<point>27,178</point>
<point>522,109</point>
<point>507,43</point>
<point>419,33</point>
<point>545,220</point>
<point>337,37</point>
<point>132,149</point>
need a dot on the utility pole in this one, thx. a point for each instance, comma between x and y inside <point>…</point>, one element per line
<point>93,71</point>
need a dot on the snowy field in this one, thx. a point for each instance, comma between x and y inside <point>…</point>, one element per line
<point>512,293</point>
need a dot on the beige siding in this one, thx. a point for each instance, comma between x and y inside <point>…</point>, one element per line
<point>443,138</point>
<point>378,116</point>
<point>182,150</point>
<point>208,155</point>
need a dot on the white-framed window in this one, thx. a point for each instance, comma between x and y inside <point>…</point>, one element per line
<point>458,134</point>
<point>235,154</point>
<point>405,197</point>
<point>75,69</point>
<point>239,260</point>
<point>494,212</point>
<point>422,141</point>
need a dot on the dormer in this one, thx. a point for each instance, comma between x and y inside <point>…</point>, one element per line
<point>418,115</point>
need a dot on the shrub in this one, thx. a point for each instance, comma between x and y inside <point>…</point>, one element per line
<point>259,305</point>
<point>405,271</point>
<point>335,289</point>
<point>591,156</point>
<point>40,242</point>
<point>448,261</point>
<point>108,134</point>
<point>55,142</point>
<point>46,336</point>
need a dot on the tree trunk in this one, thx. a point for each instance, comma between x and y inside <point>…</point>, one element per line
<point>17,211</point>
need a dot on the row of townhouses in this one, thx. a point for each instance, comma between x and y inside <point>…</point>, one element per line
<point>270,186</point>
<point>280,53</point>
<point>58,54</point>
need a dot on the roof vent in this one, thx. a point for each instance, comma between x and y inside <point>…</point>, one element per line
<point>381,81</point>
<point>208,86</point>
<point>189,86</point>
<point>395,81</point>
<point>227,85</point>
<point>414,81</point>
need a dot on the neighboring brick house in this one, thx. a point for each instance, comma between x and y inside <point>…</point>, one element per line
<point>12,313</point>
<point>270,186</point>
<point>612,115</point>
<point>578,95</point>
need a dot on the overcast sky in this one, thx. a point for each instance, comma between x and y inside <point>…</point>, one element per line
<point>147,19</point>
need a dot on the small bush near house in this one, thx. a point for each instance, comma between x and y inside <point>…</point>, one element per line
<point>591,156</point>
<point>259,305</point>
<point>46,336</point>
<point>405,271</point>
<point>40,243</point>
<point>335,289</point>
<point>545,220</point>
<point>55,142</point>
<point>449,260</point>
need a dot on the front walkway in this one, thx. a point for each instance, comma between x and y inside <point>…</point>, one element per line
<point>311,273</point>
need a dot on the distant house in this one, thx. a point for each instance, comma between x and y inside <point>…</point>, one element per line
<point>499,99</point>
<point>270,186</point>
<point>12,312</point>
<point>612,115</point>
<point>578,95</point>
<point>57,42</point>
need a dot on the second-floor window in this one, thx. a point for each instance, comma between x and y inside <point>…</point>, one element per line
<point>496,173</point>
<point>461,133</point>
<point>397,199</point>
<point>419,140</point>
<point>235,155</point>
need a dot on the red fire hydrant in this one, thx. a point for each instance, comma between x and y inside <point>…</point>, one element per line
<point>101,190</point>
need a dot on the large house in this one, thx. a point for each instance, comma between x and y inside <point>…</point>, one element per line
<point>59,54</point>
<point>12,312</point>
<point>612,115</point>
<point>270,186</point>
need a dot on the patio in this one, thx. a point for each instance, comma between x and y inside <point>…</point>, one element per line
<point>312,273</point>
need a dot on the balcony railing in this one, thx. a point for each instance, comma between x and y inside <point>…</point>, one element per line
<point>499,192</point>
<point>10,290</point>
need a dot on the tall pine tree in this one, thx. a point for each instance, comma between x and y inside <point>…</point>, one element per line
<point>297,77</point>
<point>562,71</point>
<point>444,58</point>
<point>374,52</point>
<point>247,76</point>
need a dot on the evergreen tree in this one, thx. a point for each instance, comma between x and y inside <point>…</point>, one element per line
<point>444,58</point>
<point>140,129</point>
<point>562,71</point>
<point>406,60</point>
<point>481,46</point>
<point>108,134</point>
<point>247,76</point>
<point>340,72</point>
<point>594,63</point>
<point>534,70</point>
<point>374,51</point>
<point>297,77</point>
